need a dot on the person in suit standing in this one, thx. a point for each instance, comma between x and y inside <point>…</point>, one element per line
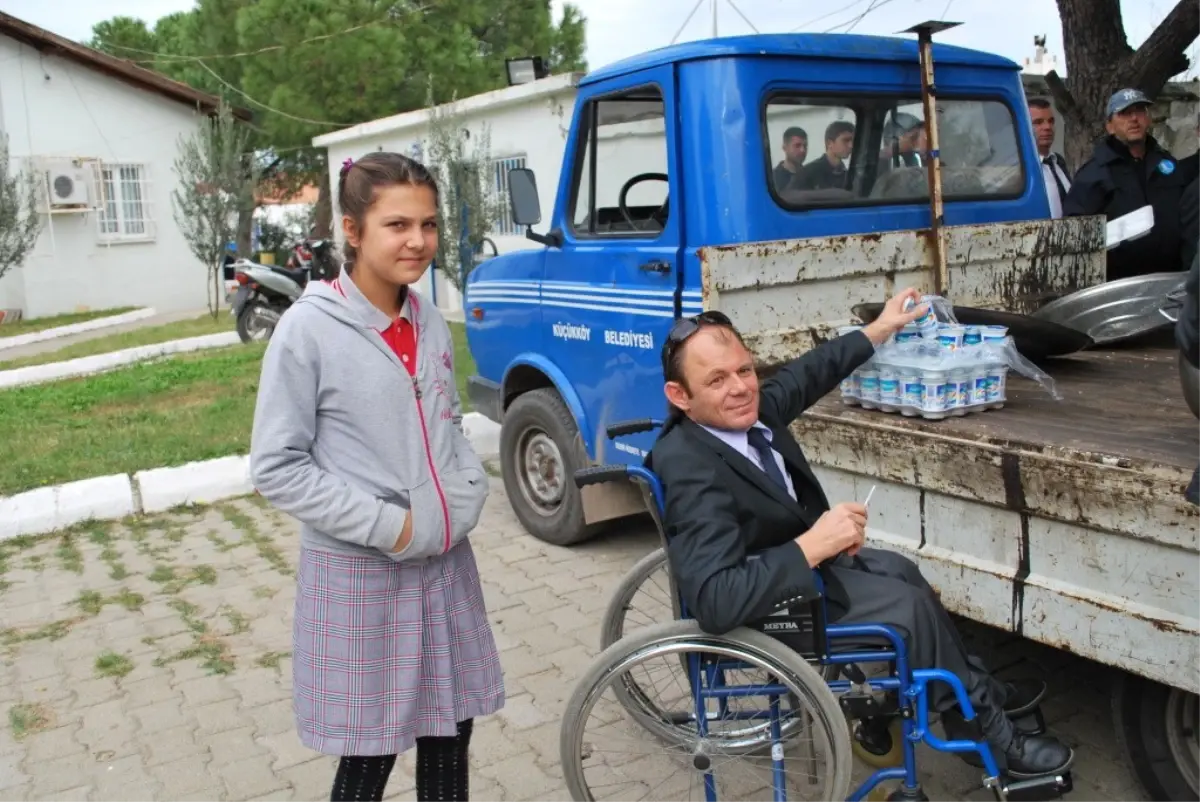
<point>1054,166</point>
<point>1187,335</point>
<point>747,521</point>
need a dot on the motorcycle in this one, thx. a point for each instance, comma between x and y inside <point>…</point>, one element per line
<point>265,292</point>
<point>316,255</point>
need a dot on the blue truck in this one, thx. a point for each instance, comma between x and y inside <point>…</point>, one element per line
<point>684,187</point>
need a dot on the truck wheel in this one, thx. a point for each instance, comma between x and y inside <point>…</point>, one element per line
<point>540,450</point>
<point>1157,727</point>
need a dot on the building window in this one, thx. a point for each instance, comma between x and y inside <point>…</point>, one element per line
<point>500,168</point>
<point>125,202</point>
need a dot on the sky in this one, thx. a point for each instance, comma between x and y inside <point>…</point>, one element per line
<point>620,28</point>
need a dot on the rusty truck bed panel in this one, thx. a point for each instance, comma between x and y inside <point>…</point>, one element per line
<point>1121,408</point>
<point>785,296</point>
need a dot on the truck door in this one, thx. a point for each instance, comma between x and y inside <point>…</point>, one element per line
<point>609,294</point>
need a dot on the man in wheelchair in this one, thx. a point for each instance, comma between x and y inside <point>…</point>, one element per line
<point>747,521</point>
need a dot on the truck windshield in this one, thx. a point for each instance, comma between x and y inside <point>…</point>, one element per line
<point>855,150</point>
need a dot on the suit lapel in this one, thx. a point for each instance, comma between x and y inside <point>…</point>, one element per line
<point>746,469</point>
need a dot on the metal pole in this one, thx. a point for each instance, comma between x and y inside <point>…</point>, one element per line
<point>941,278</point>
<point>714,15</point>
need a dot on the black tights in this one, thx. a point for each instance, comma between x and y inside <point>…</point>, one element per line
<point>441,771</point>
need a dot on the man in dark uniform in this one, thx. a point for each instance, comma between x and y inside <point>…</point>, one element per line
<point>795,151</point>
<point>1129,170</point>
<point>829,171</point>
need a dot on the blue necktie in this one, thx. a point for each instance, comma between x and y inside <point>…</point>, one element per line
<point>758,441</point>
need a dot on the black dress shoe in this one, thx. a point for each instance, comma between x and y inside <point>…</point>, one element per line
<point>1036,756</point>
<point>1023,696</point>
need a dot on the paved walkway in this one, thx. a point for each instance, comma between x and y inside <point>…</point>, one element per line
<point>150,660</point>
<point>47,346</point>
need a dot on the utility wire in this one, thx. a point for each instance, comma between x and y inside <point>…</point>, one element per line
<point>745,19</point>
<point>265,107</point>
<point>827,15</point>
<point>874,6</point>
<point>173,57</point>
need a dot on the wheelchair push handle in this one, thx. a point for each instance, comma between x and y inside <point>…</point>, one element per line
<point>636,426</point>
<point>599,474</point>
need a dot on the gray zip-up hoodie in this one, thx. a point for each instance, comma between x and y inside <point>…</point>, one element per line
<point>347,442</point>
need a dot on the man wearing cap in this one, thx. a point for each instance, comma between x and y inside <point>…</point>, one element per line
<point>1129,170</point>
<point>902,142</point>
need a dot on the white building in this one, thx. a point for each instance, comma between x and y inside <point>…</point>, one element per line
<point>528,126</point>
<point>102,133</point>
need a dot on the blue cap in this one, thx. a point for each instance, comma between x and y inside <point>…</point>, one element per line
<point>1124,99</point>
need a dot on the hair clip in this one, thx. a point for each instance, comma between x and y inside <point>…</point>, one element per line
<point>346,165</point>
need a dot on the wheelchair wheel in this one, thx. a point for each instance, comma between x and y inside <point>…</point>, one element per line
<point>636,753</point>
<point>643,598</point>
<point>878,743</point>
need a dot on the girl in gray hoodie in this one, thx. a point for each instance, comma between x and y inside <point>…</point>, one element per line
<point>358,435</point>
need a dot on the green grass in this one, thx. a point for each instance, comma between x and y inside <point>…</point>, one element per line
<point>26,719</point>
<point>41,323</point>
<point>169,412</point>
<point>151,335</point>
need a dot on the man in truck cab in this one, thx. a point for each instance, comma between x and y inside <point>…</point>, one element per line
<point>795,151</point>
<point>1129,170</point>
<point>829,171</point>
<point>747,521</point>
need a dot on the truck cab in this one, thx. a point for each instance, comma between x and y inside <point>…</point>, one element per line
<point>684,149</point>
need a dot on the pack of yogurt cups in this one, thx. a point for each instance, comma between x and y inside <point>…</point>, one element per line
<point>937,369</point>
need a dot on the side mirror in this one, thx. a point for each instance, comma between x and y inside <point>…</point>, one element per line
<point>523,197</point>
<point>525,206</point>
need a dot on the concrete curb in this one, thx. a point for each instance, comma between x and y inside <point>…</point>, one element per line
<point>76,328</point>
<point>48,509</point>
<point>99,363</point>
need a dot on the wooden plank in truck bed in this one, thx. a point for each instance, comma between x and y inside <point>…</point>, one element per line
<point>1120,407</point>
<point>1115,454</point>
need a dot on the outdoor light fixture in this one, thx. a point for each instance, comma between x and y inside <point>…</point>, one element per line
<point>525,70</point>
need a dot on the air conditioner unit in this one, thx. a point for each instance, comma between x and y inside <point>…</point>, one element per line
<point>68,184</point>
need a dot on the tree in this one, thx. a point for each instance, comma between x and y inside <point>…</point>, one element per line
<point>1100,61</point>
<point>215,178</point>
<point>462,163</point>
<point>124,37</point>
<point>20,220</point>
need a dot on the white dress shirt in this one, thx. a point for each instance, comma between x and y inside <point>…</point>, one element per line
<point>741,444</point>
<point>1051,167</point>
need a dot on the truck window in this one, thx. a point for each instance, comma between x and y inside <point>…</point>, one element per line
<point>624,153</point>
<point>861,150</point>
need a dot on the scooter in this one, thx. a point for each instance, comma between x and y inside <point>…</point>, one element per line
<point>264,293</point>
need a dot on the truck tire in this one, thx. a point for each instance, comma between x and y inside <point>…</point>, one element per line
<point>540,450</point>
<point>1156,726</point>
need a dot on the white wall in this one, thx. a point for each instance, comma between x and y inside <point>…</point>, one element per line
<point>57,108</point>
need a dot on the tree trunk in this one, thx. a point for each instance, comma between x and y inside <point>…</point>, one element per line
<point>1100,61</point>
<point>323,214</point>
<point>245,230</point>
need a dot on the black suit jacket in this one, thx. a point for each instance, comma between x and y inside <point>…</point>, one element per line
<point>730,531</point>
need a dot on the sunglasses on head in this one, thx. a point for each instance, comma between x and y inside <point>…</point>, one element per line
<point>687,326</point>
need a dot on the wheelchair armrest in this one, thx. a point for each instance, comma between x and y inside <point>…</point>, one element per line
<point>629,427</point>
<point>598,474</point>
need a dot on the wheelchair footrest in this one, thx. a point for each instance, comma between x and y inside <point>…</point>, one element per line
<point>1036,789</point>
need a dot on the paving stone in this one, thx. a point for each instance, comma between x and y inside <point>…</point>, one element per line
<point>180,731</point>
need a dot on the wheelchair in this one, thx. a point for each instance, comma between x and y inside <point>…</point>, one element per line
<point>745,708</point>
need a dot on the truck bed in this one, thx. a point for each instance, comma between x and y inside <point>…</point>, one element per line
<point>1119,408</point>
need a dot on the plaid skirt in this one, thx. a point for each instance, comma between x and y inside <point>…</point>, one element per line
<point>385,652</point>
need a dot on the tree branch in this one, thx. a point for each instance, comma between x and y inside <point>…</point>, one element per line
<point>1063,99</point>
<point>1162,54</point>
